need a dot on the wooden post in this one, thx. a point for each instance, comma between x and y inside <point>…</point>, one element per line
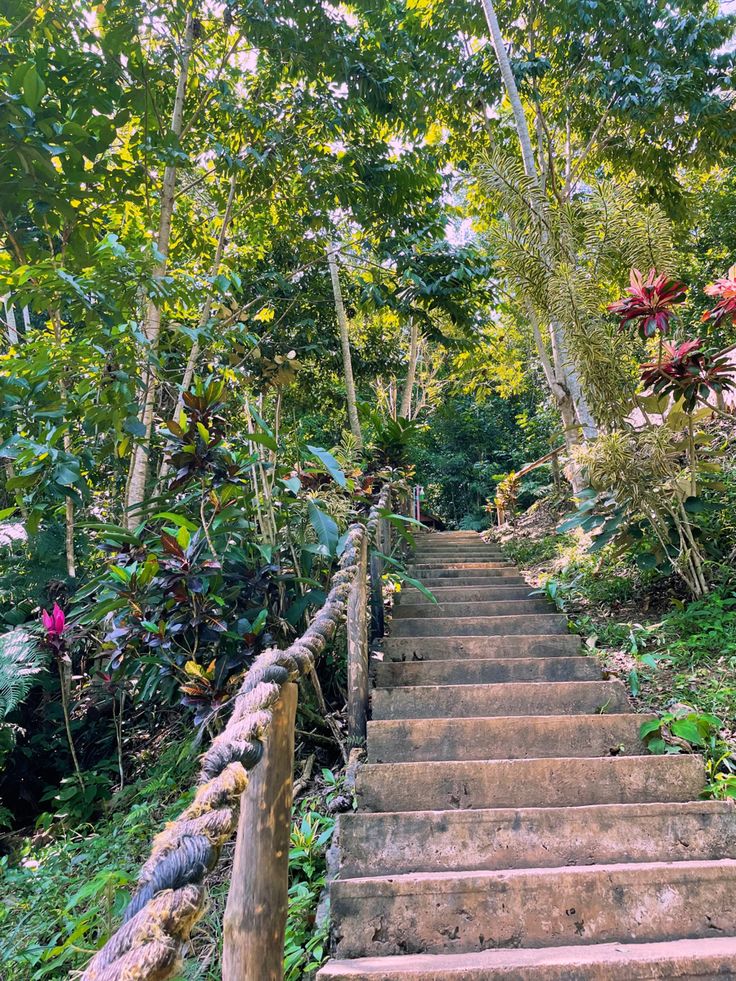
<point>255,915</point>
<point>357,630</point>
<point>377,621</point>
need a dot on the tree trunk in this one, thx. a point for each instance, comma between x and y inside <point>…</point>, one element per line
<point>566,373</point>
<point>347,362</point>
<point>411,371</point>
<point>138,473</point>
<point>504,64</point>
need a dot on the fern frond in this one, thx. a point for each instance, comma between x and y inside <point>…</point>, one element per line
<point>21,660</point>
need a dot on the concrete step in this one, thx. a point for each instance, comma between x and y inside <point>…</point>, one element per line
<point>473,701</point>
<point>536,837</point>
<point>441,565</point>
<point>442,913</point>
<point>461,575</point>
<point>520,737</point>
<point>472,581</point>
<point>465,594</point>
<point>485,671</point>
<point>527,623</point>
<point>458,552</point>
<point>455,648</point>
<point>493,608</point>
<point>705,959</point>
<point>459,785</point>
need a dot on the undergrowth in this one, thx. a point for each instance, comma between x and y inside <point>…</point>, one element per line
<point>63,894</point>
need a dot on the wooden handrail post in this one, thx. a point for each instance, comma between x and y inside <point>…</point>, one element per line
<point>357,631</point>
<point>377,619</point>
<point>255,915</point>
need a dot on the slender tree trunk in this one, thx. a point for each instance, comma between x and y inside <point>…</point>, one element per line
<point>504,64</point>
<point>10,322</point>
<point>411,371</point>
<point>566,373</point>
<point>347,362</point>
<point>138,473</point>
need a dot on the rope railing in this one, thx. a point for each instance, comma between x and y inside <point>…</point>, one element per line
<point>170,894</point>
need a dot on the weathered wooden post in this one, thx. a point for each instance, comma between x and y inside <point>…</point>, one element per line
<point>357,631</point>
<point>255,915</point>
<point>377,621</point>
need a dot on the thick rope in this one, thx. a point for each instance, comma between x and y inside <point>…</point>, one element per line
<point>170,895</point>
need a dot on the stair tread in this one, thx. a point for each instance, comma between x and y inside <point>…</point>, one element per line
<point>505,737</point>
<point>474,966</point>
<point>503,699</point>
<point>384,842</point>
<point>473,784</point>
<point>409,883</point>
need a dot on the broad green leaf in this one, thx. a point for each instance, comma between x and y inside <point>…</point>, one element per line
<point>176,519</point>
<point>325,527</point>
<point>33,88</point>
<point>688,729</point>
<point>330,464</point>
<point>264,439</point>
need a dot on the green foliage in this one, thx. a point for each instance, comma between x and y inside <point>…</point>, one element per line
<point>392,439</point>
<point>693,731</point>
<point>469,444</point>
<point>532,551</point>
<point>305,948</point>
<point>64,897</point>
<point>21,659</point>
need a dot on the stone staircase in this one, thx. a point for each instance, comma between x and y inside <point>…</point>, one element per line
<point>510,823</point>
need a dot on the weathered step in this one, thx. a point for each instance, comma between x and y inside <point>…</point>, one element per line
<point>475,573</point>
<point>705,959</point>
<point>489,671</point>
<point>440,913</point>
<point>519,737</point>
<point>377,844</point>
<point>529,783</point>
<point>464,582</point>
<point>464,594</point>
<point>527,623</point>
<point>433,565</point>
<point>494,608</point>
<point>474,701</point>
<point>458,552</point>
<point>455,648</point>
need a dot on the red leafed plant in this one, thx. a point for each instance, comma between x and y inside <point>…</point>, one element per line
<point>685,371</point>
<point>649,302</point>
<point>725,288</point>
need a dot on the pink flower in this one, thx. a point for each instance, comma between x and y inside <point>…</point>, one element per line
<point>54,622</point>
